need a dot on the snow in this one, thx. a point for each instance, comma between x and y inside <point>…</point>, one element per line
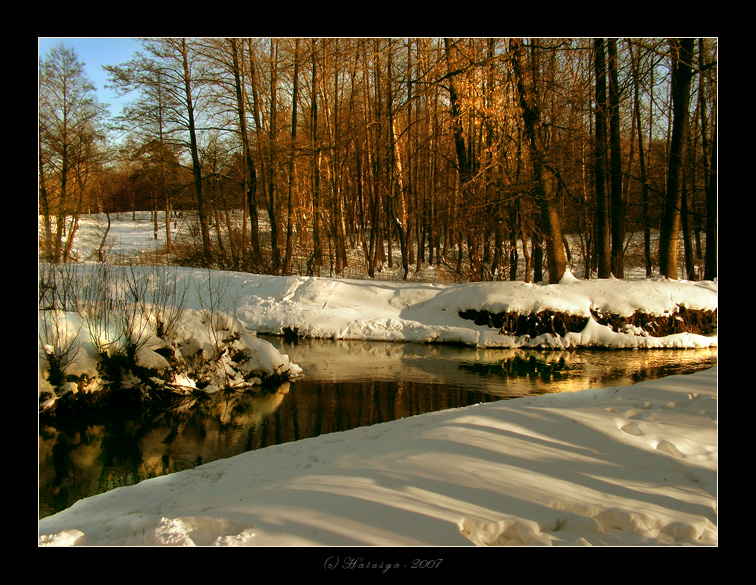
<point>244,362</point>
<point>633,465</point>
<point>429,313</point>
<point>414,311</point>
<point>618,466</point>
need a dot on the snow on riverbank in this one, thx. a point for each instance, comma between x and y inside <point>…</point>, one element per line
<point>620,466</point>
<point>399,311</point>
<point>337,309</point>
<point>616,466</point>
<point>428,313</point>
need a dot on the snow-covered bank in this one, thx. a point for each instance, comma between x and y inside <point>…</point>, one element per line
<point>333,309</point>
<point>212,343</point>
<point>107,328</point>
<point>617,466</point>
<point>428,313</point>
<point>635,465</point>
<point>418,312</point>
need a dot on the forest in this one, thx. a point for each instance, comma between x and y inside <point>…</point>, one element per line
<point>476,155</point>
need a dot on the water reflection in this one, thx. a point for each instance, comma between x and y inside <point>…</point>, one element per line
<point>347,384</point>
<point>504,373</point>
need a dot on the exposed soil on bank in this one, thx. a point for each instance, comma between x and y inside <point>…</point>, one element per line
<point>696,321</point>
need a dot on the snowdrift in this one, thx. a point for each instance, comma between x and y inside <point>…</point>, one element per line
<point>208,355</point>
<point>615,466</point>
<point>618,466</point>
<point>428,313</point>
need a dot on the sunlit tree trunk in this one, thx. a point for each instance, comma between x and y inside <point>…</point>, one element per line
<point>645,220</point>
<point>398,189</point>
<point>250,173</point>
<point>682,74</point>
<point>710,271</point>
<point>292,152</point>
<point>546,201</point>
<point>617,202</point>
<point>335,157</point>
<point>259,134</point>
<point>603,246</point>
<point>463,160</point>
<point>709,156</point>
<point>316,260</point>
<point>272,182</point>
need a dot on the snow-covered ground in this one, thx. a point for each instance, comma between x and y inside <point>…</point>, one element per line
<point>414,311</point>
<point>632,465</point>
<point>427,313</point>
<point>621,466</point>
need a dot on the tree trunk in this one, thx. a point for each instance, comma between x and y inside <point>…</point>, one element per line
<point>618,203</point>
<point>272,162</point>
<point>642,166</point>
<point>250,174</point>
<point>317,255</point>
<point>710,176</point>
<point>710,271</point>
<point>682,74</point>
<point>397,191</point>
<point>45,204</point>
<point>196,169</point>
<point>252,191</point>
<point>463,163</point>
<point>101,249</point>
<point>603,249</point>
<point>552,230</point>
<point>338,226</point>
<point>166,198</point>
<point>690,268</point>
<point>369,172</point>
<point>290,195</point>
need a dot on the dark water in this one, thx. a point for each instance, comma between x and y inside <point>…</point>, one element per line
<point>347,384</point>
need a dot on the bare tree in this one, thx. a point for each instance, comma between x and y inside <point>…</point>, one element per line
<point>249,173</point>
<point>682,73</point>
<point>149,118</point>
<point>615,164</point>
<point>603,240</point>
<point>292,178</point>
<point>475,155</point>
<point>709,157</point>
<point>69,132</point>
<point>531,115</point>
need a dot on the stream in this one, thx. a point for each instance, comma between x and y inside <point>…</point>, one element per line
<point>347,384</point>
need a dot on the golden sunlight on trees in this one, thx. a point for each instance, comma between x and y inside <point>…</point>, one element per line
<point>70,149</point>
<point>479,158</point>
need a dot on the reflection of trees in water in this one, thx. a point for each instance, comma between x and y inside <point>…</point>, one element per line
<point>518,366</point>
<point>79,459</point>
<point>570,370</point>
<point>318,407</point>
<point>200,429</point>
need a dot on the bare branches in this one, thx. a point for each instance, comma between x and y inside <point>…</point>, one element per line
<point>336,148</point>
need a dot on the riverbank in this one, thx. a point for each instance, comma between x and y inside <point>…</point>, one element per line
<point>633,465</point>
<point>151,330</point>
<point>624,466</point>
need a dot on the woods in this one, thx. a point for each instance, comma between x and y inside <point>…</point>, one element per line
<point>485,158</point>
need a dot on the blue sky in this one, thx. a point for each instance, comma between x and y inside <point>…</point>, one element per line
<point>95,52</point>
